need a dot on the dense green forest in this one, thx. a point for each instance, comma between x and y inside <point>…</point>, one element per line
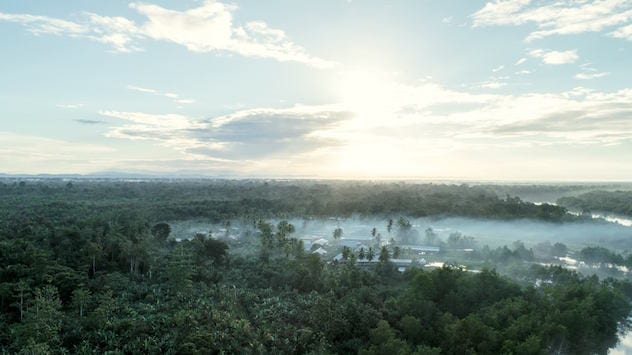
<point>225,199</point>
<point>617,202</point>
<point>91,268</point>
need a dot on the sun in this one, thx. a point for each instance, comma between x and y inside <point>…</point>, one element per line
<point>367,92</point>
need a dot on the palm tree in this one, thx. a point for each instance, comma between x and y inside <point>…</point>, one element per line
<point>338,233</point>
<point>371,255</point>
<point>346,252</point>
<point>383,254</point>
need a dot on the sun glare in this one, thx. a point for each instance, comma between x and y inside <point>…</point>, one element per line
<point>366,92</point>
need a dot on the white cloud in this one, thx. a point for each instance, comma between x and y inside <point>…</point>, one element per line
<point>448,19</point>
<point>588,76</point>
<point>493,85</point>
<point>141,89</point>
<point>209,27</point>
<point>520,61</point>
<point>69,106</point>
<point>587,72</point>
<point>45,25</point>
<point>174,97</point>
<point>498,68</point>
<point>555,57</point>
<point>523,72</point>
<point>623,32</point>
<point>555,17</point>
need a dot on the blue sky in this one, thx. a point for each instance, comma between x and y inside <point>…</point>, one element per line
<point>515,90</point>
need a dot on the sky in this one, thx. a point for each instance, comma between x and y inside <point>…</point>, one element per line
<point>370,89</point>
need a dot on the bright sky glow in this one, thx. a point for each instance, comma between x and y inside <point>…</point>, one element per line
<point>494,90</point>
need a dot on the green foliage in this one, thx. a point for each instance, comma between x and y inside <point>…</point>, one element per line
<point>90,269</point>
<point>618,202</point>
<point>600,255</point>
<point>337,233</point>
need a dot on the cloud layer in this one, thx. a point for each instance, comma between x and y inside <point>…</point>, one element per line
<point>209,27</point>
<point>420,122</point>
<point>248,134</point>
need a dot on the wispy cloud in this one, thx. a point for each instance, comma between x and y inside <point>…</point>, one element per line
<point>556,17</point>
<point>89,122</point>
<point>493,85</point>
<point>520,61</point>
<point>39,25</point>
<point>498,68</point>
<point>590,74</point>
<point>623,32</point>
<point>555,57</point>
<point>172,96</point>
<point>209,27</point>
<point>69,106</point>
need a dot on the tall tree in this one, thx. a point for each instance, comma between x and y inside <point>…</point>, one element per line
<point>337,233</point>
<point>370,254</point>
<point>80,298</point>
<point>383,255</point>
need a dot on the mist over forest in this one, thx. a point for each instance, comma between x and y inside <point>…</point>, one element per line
<point>309,266</point>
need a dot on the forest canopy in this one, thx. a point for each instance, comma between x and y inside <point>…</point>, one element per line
<point>91,267</point>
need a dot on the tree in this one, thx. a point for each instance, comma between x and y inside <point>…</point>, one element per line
<point>338,233</point>
<point>383,254</point>
<point>209,249</point>
<point>80,298</point>
<point>431,237</point>
<point>43,320</point>
<point>396,252</point>
<point>361,254</point>
<point>389,225</point>
<point>161,231</point>
<point>284,229</point>
<point>346,252</point>
<point>22,292</point>
<point>180,271</point>
<point>94,250</point>
<point>266,235</point>
<point>404,225</point>
<point>371,254</point>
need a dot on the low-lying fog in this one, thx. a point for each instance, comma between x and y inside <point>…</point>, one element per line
<point>485,231</point>
<point>612,233</point>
